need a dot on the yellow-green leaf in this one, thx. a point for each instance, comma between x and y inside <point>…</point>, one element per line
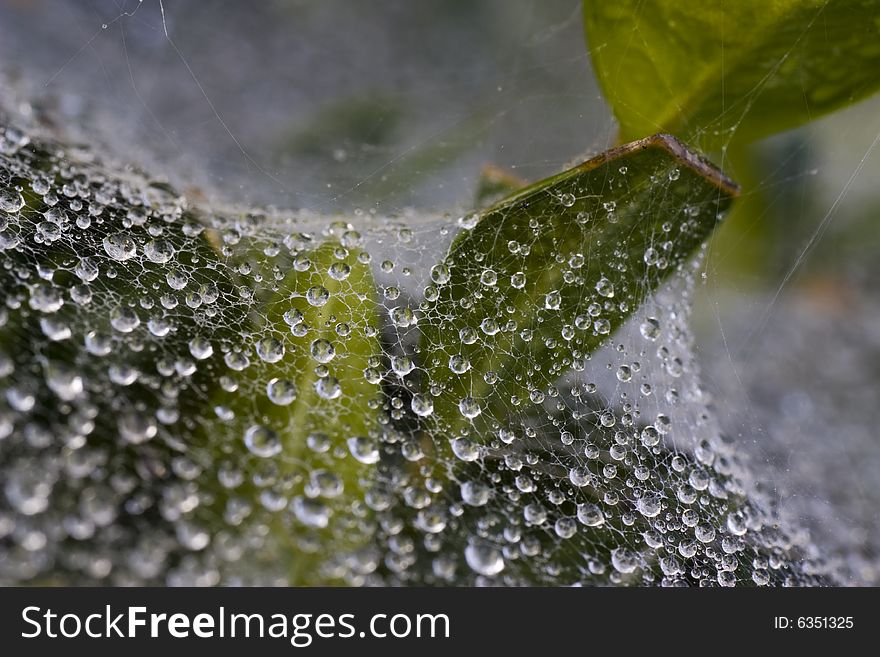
<point>302,404</point>
<point>711,72</point>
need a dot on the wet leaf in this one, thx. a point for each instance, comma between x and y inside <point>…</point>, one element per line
<point>543,278</point>
<point>305,382</point>
<point>712,72</point>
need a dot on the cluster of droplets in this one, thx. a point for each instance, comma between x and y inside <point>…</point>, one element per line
<point>229,397</point>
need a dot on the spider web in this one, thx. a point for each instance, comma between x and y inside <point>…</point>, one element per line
<point>201,393</point>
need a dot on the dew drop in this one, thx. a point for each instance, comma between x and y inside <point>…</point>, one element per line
<point>650,329</point>
<point>624,560</point>
<point>201,348</point>
<point>86,269</point>
<point>469,407</point>
<point>364,450</point>
<point>323,350</point>
<point>422,405</point>
<point>590,515</point>
<point>10,200</point>
<point>270,350</point>
<point>124,319</point>
<point>328,388</point>
<point>310,512</point>
<point>484,559</point>
<point>567,199</point>
<point>281,391</point>
<point>317,295</point>
<point>605,287</point>
<point>475,493</point>
<point>465,449</point>
<point>402,365</point>
<point>262,441</point>
<point>136,428</point>
<point>120,246</point>
<point>158,251</point>
<point>552,300</point>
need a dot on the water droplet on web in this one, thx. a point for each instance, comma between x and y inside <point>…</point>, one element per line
<point>322,350</point>
<point>201,348</point>
<point>120,246</point>
<point>469,407</point>
<point>124,319</point>
<point>176,279</point>
<point>459,364</point>
<point>10,200</point>
<point>440,274</point>
<point>624,560</point>
<point>262,441</point>
<point>46,299</point>
<point>402,365</point>
<point>422,405</point>
<point>86,269</point>
<point>312,513</point>
<point>318,442</point>
<point>590,515</point>
<point>705,533</point>
<point>760,577</point>
<point>293,317</point>
<point>475,493</point>
<point>650,328</point>
<point>567,199</point>
<point>339,271</point>
<point>136,427</point>
<point>64,381</point>
<point>317,295</point>
<point>650,436</point>
<point>518,280</point>
<point>158,251</point>
<point>552,300</point>
<point>328,388</point>
<point>605,287</point>
<point>98,344</point>
<point>488,277</point>
<point>468,335</point>
<point>48,232</point>
<point>364,450</point>
<point>649,505</point>
<point>465,449</point>
<point>469,221</point>
<point>123,374</point>
<point>270,350</point>
<point>579,476</point>
<point>565,527</point>
<point>281,391</point>
<point>484,559</point>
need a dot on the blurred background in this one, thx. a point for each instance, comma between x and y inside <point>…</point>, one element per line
<point>392,105</point>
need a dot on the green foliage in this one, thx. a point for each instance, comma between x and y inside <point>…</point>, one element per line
<point>714,72</point>
<point>542,278</point>
<point>321,323</point>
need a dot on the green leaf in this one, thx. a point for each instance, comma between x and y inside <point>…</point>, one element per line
<point>711,72</point>
<point>309,399</point>
<point>544,277</point>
